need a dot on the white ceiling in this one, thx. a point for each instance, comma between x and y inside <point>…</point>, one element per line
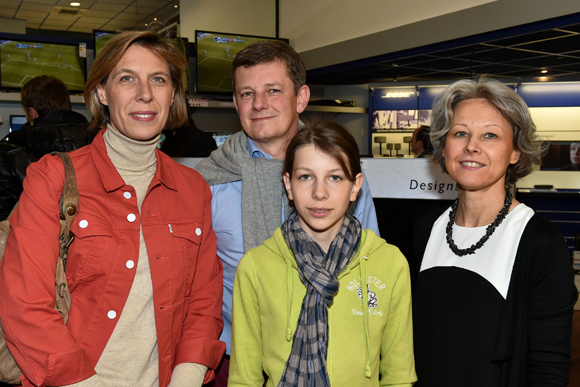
<point>99,14</point>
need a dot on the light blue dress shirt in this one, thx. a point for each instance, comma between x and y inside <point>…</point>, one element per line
<point>226,210</point>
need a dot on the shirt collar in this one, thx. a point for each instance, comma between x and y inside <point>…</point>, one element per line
<point>255,152</point>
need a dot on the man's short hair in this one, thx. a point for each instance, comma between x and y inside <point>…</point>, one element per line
<point>268,51</point>
<point>45,94</point>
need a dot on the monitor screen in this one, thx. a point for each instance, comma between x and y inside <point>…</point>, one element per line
<point>215,53</point>
<point>16,122</point>
<point>100,38</point>
<point>562,156</point>
<point>220,137</point>
<point>23,60</point>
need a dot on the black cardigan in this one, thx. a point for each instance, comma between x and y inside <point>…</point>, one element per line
<point>533,346</point>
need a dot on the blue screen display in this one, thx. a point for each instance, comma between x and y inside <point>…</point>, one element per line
<point>16,122</point>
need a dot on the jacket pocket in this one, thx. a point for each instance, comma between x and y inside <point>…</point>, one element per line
<point>92,235</point>
<point>188,236</point>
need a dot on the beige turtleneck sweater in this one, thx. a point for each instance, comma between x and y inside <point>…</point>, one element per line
<point>130,357</point>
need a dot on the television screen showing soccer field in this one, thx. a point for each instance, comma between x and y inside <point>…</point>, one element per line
<point>24,60</point>
<point>101,38</point>
<point>215,54</point>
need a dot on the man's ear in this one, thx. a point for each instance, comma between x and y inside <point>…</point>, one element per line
<point>287,184</point>
<point>236,102</point>
<point>356,186</point>
<point>303,98</point>
<point>102,94</point>
<point>32,114</point>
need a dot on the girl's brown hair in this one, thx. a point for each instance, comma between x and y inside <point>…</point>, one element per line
<point>112,53</point>
<point>331,139</point>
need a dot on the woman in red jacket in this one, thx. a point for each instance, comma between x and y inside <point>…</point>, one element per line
<point>145,282</point>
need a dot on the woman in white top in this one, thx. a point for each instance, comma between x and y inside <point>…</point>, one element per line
<point>494,297</point>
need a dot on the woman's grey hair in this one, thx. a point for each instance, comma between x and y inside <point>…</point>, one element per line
<point>507,102</point>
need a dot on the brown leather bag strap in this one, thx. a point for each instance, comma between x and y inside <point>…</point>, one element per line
<point>69,202</point>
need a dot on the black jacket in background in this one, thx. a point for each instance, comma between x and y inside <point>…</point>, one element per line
<point>61,130</point>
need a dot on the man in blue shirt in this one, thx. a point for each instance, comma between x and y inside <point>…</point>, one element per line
<point>245,174</point>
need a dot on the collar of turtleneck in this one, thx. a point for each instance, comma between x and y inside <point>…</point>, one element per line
<point>130,156</point>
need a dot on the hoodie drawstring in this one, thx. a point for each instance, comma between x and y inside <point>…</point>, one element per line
<point>290,293</point>
<point>363,280</point>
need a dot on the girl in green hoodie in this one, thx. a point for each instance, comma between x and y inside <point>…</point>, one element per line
<point>322,302</point>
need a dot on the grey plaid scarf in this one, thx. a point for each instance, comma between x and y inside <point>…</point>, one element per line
<point>306,365</point>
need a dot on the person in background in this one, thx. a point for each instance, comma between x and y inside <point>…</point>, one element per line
<point>14,160</point>
<point>187,141</point>
<point>494,298</point>
<point>574,158</point>
<point>145,282</point>
<point>421,143</point>
<point>245,173</point>
<point>52,126</point>
<point>323,301</point>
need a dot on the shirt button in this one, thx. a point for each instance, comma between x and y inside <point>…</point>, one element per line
<point>111,314</point>
<point>83,223</point>
<point>127,195</point>
<point>131,218</point>
<point>198,231</point>
<point>130,264</point>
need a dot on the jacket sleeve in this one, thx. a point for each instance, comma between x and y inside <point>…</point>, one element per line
<point>246,360</point>
<point>203,323</point>
<point>551,299</point>
<point>397,358</point>
<point>35,333</point>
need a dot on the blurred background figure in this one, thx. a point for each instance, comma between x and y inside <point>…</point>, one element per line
<point>574,158</point>
<point>13,162</point>
<point>421,142</point>
<point>187,141</point>
<point>52,126</point>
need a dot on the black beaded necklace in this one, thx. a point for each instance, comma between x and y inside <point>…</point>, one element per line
<point>489,230</point>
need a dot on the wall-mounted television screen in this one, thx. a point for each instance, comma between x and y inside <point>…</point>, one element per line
<point>23,60</point>
<point>16,122</point>
<point>562,156</point>
<point>101,38</point>
<point>215,53</point>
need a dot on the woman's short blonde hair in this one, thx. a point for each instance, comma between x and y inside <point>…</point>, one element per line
<point>112,53</point>
<point>511,106</point>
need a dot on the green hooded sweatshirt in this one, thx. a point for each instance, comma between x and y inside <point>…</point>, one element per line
<point>363,341</point>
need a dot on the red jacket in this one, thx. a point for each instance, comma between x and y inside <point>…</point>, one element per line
<point>185,271</point>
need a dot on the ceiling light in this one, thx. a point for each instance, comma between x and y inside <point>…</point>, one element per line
<point>145,24</point>
<point>175,6</point>
<point>75,4</point>
<point>154,18</point>
<point>544,71</point>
